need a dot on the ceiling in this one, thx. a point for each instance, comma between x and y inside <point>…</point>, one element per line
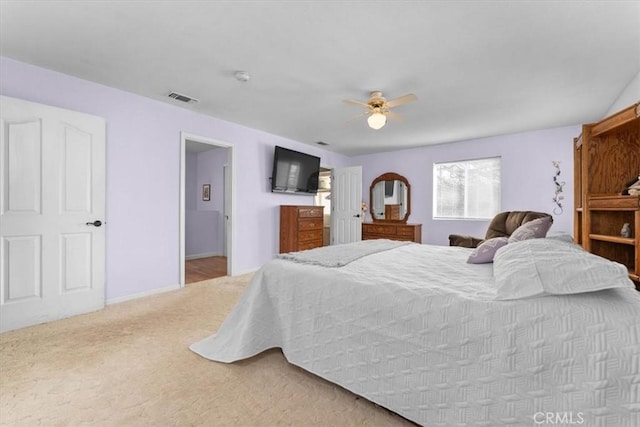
<point>478,68</point>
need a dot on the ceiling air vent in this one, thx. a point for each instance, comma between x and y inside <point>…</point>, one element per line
<point>183,98</point>
<point>322,143</point>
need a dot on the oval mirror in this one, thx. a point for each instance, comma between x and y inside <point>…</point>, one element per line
<point>390,198</point>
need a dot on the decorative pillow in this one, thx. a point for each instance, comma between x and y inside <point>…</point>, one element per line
<point>538,267</point>
<point>486,250</point>
<point>532,230</point>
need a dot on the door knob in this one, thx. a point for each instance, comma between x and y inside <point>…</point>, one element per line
<point>96,223</point>
<point>357,216</point>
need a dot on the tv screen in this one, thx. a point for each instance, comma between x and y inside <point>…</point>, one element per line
<point>294,172</point>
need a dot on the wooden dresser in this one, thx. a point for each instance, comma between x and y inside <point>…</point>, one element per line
<point>300,227</point>
<point>392,231</point>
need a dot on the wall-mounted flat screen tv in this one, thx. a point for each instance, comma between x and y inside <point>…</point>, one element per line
<point>294,172</point>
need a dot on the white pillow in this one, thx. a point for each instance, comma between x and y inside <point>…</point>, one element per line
<point>563,236</point>
<point>537,267</point>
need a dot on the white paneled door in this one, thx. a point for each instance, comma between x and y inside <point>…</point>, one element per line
<point>52,209</point>
<point>346,205</point>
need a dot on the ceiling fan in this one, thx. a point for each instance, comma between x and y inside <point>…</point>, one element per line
<point>378,108</point>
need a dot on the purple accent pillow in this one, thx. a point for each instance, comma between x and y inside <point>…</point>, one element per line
<point>485,251</point>
<point>535,229</point>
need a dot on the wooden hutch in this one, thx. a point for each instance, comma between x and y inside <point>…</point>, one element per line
<point>606,159</point>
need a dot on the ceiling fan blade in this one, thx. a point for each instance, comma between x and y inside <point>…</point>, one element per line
<point>394,116</point>
<point>358,103</point>
<point>366,113</point>
<point>402,100</point>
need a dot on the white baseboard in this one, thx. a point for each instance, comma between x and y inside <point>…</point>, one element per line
<point>198,256</point>
<point>165,289</point>
<point>240,273</point>
<point>142,294</point>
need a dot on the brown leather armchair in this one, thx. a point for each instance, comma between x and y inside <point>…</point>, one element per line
<point>502,225</point>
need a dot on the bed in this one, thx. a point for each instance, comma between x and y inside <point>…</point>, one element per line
<point>418,330</point>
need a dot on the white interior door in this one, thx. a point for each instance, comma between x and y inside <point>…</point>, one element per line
<point>52,205</point>
<point>227,209</point>
<point>346,205</point>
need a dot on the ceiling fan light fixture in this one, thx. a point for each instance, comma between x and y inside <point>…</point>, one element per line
<point>377,120</point>
<point>378,108</point>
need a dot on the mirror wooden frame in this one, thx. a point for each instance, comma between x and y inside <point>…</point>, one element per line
<point>391,176</point>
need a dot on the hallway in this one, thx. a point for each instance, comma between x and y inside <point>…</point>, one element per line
<point>197,270</point>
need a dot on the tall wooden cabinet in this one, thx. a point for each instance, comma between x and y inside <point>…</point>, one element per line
<point>300,227</point>
<point>606,158</point>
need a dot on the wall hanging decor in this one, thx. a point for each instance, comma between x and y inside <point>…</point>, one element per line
<point>558,197</point>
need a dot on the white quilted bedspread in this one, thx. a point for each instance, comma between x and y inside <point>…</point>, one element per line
<point>415,329</point>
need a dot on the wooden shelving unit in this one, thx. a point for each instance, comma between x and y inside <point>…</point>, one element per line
<point>613,239</point>
<point>606,157</point>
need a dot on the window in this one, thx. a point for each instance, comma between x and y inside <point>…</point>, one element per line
<point>468,189</point>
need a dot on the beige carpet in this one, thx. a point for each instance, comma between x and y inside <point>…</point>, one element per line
<point>129,365</point>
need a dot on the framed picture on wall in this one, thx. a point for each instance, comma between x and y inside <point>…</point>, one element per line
<point>206,192</point>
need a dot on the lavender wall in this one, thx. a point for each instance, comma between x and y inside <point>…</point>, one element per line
<point>210,171</point>
<point>192,192</point>
<point>202,234</point>
<point>527,176</point>
<point>142,172</point>
<point>201,230</point>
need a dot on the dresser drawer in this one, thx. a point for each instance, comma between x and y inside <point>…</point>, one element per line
<point>310,224</point>
<point>310,235</point>
<point>310,244</point>
<point>378,229</point>
<point>388,230</point>
<point>405,230</point>
<point>315,212</point>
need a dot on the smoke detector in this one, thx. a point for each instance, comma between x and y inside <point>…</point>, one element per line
<point>242,76</point>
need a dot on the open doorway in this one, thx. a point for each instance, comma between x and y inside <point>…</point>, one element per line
<point>206,195</point>
<point>323,198</point>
